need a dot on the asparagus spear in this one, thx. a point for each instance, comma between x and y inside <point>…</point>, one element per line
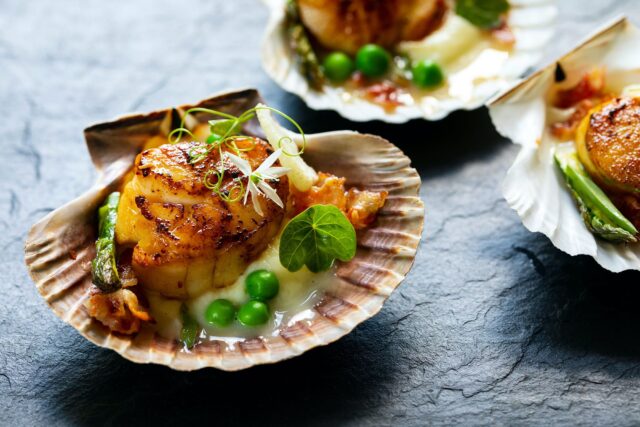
<point>103,268</point>
<point>190,328</point>
<point>598,212</point>
<point>300,43</point>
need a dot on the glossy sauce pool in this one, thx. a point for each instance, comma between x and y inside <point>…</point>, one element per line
<point>480,60</point>
<point>299,292</point>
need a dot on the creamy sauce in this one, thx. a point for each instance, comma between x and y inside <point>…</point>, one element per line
<point>467,55</point>
<point>299,292</point>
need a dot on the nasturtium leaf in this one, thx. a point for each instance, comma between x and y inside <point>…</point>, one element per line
<point>482,13</point>
<point>317,237</point>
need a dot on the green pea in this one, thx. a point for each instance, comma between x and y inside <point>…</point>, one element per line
<point>213,138</point>
<point>337,66</point>
<point>427,74</point>
<point>253,313</point>
<point>262,285</point>
<point>220,312</point>
<point>372,60</point>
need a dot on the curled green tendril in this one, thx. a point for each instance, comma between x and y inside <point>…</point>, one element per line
<point>230,142</point>
<point>181,131</point>
<point>233,194</point>
<point>215,140</point>
<point>197,154</point>
<point>227,195</point>
<point>213,186</point>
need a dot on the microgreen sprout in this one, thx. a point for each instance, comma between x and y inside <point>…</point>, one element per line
<point>224,133</point>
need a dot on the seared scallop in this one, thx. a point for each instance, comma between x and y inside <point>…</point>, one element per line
<point>347,25</point>
<point>608,141</point>
<point>186,238</point>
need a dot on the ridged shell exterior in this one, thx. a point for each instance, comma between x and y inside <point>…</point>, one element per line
<point>533,24</point>
<point>59,247</point>
<point>533,186</point>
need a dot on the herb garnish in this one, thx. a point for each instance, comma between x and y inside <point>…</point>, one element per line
<point>225,132</point>
<point>485,14</point>
<point>317,237</point>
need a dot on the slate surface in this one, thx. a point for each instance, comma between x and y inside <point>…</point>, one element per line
<point>493,325</point>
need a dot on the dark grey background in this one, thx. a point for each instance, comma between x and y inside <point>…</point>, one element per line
<point>493,325</point>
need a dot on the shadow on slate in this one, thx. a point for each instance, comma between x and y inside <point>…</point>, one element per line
<point>321,386</point>
<point>434,147</point>
<point>572,308</point>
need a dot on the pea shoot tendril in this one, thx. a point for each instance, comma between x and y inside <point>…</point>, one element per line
<point>225,132</point>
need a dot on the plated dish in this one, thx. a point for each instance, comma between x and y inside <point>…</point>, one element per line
<point>396,61</point>
<point>577,177</point>
<point>216,237</point>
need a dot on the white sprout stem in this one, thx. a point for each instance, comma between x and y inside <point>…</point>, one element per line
<point>301,175</point>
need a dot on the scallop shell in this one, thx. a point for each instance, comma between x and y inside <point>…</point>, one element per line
<point>533,186</point>
<point>533,24</point>
<point>59,247</point>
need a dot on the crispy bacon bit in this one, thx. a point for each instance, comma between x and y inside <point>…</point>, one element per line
<point>584,96</point>
<point>566,130</point>
<point>503,35</point>
<point>590,86</point>
<point>385,94</point>
<point>329,190</point>
<point>360,207</point>
<point>120,311</point>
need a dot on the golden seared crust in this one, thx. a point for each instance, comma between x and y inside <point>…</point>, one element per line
<point>612,141</point>
<point>168,167</point>
<point>177,226</point>
<point>347,25</point>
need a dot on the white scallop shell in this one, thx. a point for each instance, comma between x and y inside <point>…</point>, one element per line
<point>532,22</point>
<point>533,186</point>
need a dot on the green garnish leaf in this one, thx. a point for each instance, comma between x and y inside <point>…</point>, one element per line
<point>229,127</point>
<point>485,14</point>
<point>317,237</point>
<point>225,126</point>
<point>599,213</point>
<point>190,328</point>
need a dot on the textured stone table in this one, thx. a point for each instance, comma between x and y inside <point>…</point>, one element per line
<point>493,325</point>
